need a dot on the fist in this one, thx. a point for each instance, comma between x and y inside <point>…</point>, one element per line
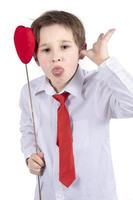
<point>36,163</point>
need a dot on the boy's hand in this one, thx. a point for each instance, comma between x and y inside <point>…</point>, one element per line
<point>36,163</point>
<point>99,52</point>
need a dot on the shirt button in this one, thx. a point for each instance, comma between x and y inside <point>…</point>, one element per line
<point>59,196</point>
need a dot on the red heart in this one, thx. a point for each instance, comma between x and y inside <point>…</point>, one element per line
<point>25,43</point>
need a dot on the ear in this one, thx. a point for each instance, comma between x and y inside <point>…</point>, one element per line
<point>84,47</point>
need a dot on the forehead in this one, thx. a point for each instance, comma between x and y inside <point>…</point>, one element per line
<point>55,32</point>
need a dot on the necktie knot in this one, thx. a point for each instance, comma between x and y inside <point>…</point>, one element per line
<point>61,97</point>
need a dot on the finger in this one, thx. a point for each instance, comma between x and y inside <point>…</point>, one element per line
<point>90,53</point>
<point>40,154</point>
<point>108,35</point>
<point>38,160</point>
<point>100,37</point>
<point>33,165</point>
<point>35,172</point>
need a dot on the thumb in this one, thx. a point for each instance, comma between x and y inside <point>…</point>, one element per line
<point>41,155</point>
<point>89,53</point>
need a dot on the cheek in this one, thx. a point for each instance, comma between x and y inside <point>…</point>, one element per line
<point>43,60</point>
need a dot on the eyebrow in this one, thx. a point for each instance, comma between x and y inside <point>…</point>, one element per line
<point>62,41</point>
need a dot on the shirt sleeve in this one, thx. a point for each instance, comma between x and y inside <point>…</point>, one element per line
<point>26,125</point>
<point>115,90</point>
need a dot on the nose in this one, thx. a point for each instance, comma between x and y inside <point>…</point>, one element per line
<point>56,57</point>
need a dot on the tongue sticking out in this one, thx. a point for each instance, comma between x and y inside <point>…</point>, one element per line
<point>57,71</point>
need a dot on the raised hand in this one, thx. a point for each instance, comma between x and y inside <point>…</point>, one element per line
<point>99,51</point>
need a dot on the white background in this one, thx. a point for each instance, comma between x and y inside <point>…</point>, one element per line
<point>16,183</point>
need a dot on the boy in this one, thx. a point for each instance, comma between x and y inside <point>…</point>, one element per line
<point>93,98</point>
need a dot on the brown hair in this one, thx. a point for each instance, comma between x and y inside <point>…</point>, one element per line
<point>63,18</point>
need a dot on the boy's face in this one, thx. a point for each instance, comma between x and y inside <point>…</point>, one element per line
<point>57,55</point>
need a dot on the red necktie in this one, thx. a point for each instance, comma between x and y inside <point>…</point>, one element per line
<point>64,141</point>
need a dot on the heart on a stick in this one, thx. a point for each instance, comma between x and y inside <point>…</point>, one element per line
<point>25,43</point>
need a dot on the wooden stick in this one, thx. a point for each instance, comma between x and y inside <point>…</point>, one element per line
<point>34,128</point>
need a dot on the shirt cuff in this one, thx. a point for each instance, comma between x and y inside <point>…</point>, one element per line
<point>113,64</point>
<point>29,152</point>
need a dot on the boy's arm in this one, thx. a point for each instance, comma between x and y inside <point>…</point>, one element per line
<point>26,127</point>
<point>114,90</point>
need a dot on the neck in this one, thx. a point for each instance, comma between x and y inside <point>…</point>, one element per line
<point>57,88</point>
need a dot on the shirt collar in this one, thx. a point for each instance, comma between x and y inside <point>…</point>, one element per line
<point>74,87</point>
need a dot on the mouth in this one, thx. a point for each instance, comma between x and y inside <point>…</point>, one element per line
<point>57,71</point>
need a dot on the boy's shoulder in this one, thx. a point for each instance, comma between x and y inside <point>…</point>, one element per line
<point>37,81</point>
<point>89,74</point>
<point>92,77</point>
<point>34,84</point>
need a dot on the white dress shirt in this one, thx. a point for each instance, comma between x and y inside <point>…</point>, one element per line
<point>95,97</point>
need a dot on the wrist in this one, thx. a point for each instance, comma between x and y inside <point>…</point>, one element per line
<point>100,62</point>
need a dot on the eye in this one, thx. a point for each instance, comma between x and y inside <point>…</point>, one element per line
<point>64,46</point>
<point>46,50</point>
